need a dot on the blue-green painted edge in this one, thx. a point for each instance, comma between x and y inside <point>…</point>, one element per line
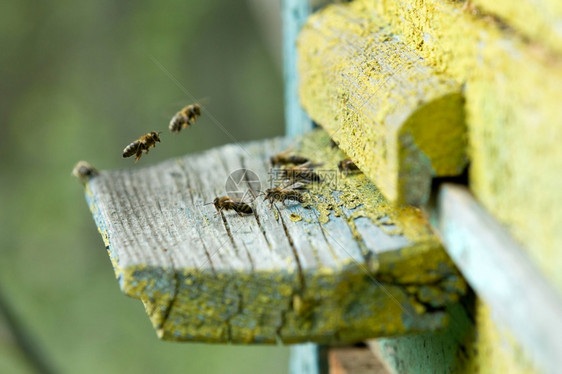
<point>304,358</point>
<point>502,275</point>
<point>294,14</point>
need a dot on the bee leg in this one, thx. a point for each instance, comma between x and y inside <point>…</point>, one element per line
<point>139,154</point>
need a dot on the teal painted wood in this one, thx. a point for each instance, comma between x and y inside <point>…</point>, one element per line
<point>294,13</point>
<point>304,358</point>
<point>308,359</point>
<point>498,270</point>
<point>435,352</point>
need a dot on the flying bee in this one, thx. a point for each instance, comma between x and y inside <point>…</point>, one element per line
<point>280,194</point>
<point>347,166</point>
<point>286,157</point>
<point>303,172</point>
<point>141,144</point>
<point>185,117</point>
<point>229,203</point>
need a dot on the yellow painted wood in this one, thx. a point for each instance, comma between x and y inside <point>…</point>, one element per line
<point>513,92</point>
<point>494,349</point>
<point>538,20</point>
<point>475,342</point>
<point>400,120</point>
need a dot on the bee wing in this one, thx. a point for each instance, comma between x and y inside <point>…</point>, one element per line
<point>310,165</point>
<point>285,152</point>
<point>139,153</point>
<point>295,186</point>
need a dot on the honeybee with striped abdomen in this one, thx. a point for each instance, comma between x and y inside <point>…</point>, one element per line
<point>348,166</point>
<point>185,117</point>
<point>286,157</point>
<point>229,203</point>
<point>304,172</point>
<point>290,192</point>
<point>141,144</point>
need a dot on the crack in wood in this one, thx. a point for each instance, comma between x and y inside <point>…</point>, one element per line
<point>227,228</point>
<point>262,229</point>
<point>250,259</point>
<point>295,253</point>
<point>170,305</point>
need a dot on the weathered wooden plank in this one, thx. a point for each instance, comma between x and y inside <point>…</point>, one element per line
<point>295,273</point>
<point>498,270</point>
<point>400,120</point>
<point>513,113</point>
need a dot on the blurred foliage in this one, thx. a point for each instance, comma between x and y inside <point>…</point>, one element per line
<point>78,83</point>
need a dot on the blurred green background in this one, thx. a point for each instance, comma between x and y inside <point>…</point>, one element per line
<point>78,83</point>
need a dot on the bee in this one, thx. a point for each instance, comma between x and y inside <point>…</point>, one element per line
<point>286,157</point>
<point>280,194</point>
<point>333,143</point>
<point>185,118</point>
<point>84,171</point>
<point>303,172</point>
<point>228,203</point>
<point>347,166</point>
<point>141,144</point>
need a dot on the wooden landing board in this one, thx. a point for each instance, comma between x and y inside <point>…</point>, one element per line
<point>399,119</point>
<point>343,266</point>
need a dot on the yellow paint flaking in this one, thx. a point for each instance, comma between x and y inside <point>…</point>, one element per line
<point>512,90</point>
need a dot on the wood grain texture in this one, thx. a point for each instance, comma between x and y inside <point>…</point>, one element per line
<point>293,273</point>
<point>498,270</point>
<point>400,120</point>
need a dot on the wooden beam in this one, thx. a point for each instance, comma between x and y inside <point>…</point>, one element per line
<point>343,266</point>
<point>294,14</point>
<point>355,360</point>
<point>400,120</point>
<point>474,342</point>
<point>512,90</point>
<point>502,275</point>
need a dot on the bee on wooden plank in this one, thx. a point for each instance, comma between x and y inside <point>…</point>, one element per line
<point>280,194</point>
<point>229,203</point>
<point>347,166</point>
<point>303,172</point>
<point>141,144</point>
<point>185,117</point>
<point>286,157</point>
<point>84,171</point>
